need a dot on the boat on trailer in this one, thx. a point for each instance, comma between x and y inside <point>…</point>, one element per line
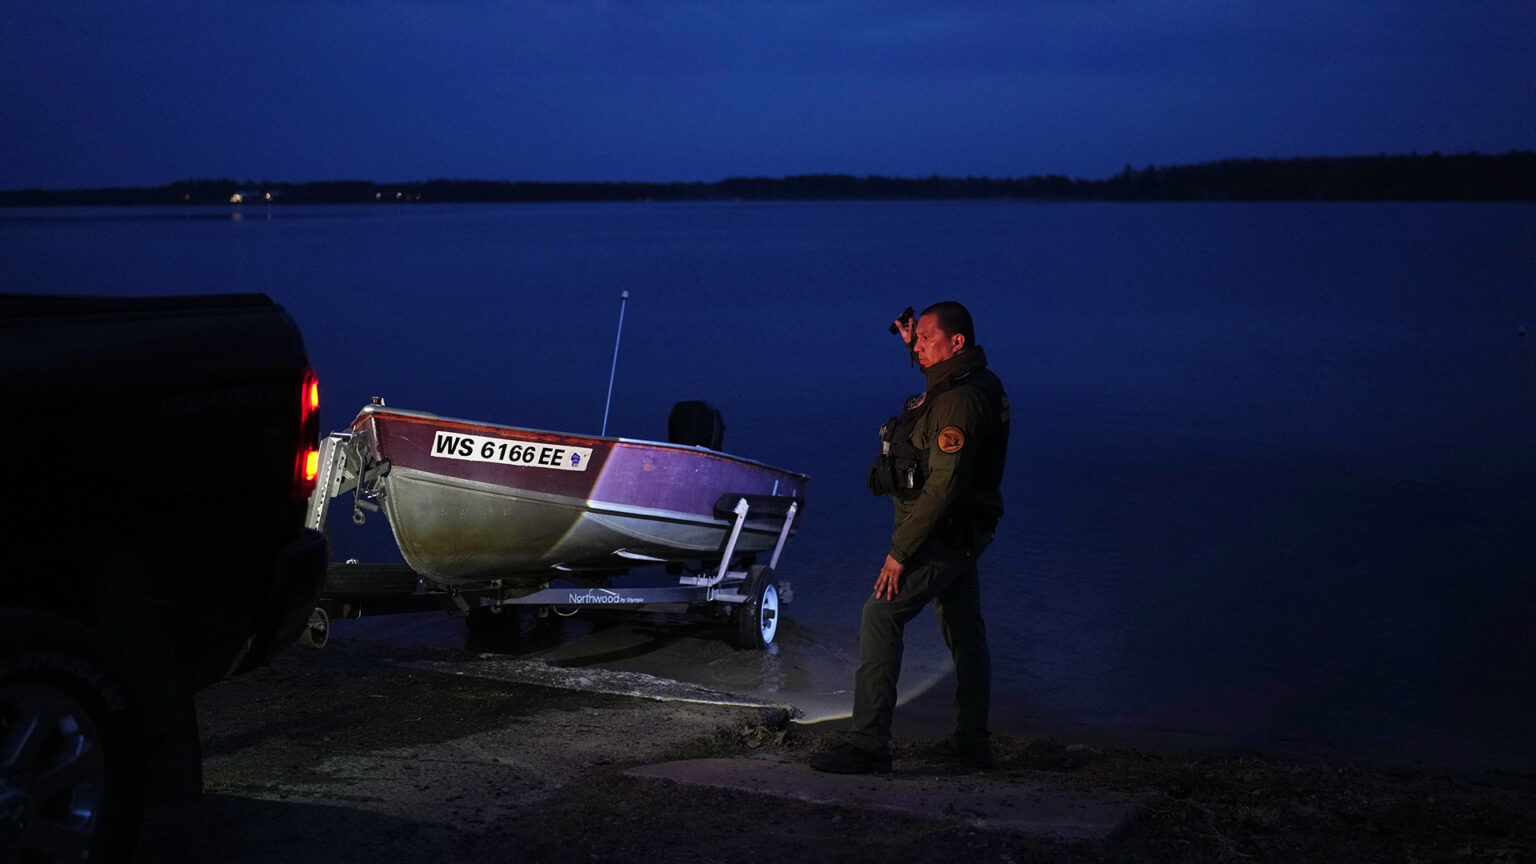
<point>488,515</point>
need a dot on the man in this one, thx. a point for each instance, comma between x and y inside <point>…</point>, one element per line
<point>942,463</point>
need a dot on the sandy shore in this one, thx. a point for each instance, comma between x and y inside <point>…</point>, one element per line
<point>372,751</point>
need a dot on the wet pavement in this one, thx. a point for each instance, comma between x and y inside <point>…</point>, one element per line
<point>809,668</point>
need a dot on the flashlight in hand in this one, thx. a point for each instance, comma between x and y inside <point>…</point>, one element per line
<point>905,318</point>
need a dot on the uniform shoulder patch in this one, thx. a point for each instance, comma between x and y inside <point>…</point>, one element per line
<point>951,439</point>
<point>916,402</point>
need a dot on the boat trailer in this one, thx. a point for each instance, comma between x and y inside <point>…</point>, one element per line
<point>732,584</point>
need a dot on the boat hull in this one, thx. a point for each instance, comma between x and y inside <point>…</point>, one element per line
<point>471,503</point>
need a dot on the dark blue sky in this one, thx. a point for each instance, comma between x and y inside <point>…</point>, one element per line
<point>105,92</point>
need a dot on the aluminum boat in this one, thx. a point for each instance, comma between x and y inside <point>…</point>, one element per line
<point>472,503</point>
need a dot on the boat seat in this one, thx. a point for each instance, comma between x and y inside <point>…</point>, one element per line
<point>759,506</point>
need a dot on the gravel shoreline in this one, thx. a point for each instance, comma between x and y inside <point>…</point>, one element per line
<point>370,751</point>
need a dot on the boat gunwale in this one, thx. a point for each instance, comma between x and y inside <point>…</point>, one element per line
<point>425,418</point>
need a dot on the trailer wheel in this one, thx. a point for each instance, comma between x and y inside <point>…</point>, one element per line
<point>757,620</point>
<point>71,780</point>
<point>499,629</point>
<point>368,581</point>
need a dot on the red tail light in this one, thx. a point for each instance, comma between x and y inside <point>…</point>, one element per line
<point>306,463</point>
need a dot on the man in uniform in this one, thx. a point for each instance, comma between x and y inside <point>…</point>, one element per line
<point>942,463</point>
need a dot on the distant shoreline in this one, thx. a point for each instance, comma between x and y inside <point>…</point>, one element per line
<point>1433,177</point>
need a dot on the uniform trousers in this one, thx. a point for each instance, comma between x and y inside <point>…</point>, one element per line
<point>947,578</point>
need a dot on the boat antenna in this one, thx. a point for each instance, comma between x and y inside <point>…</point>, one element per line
<point>623,300</point>
<point>1525,358</point>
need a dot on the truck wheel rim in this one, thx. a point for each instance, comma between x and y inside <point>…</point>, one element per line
<point>52,774</point>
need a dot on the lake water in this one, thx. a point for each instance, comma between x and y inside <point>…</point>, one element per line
<point>1273,468</point>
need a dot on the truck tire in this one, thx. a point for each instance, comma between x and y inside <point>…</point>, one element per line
<point>71,770</point>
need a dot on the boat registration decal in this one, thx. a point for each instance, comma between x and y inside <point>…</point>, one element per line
<point>525,454</point>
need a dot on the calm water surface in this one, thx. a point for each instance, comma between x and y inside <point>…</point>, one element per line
<point>1273,471</point>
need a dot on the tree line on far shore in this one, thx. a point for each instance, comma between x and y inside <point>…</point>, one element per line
<point>1433,177</point>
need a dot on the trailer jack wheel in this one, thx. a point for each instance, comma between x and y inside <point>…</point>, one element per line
<point>756,621</point>
<point>318,631</point>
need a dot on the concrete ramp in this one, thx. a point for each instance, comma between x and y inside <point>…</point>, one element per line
<point>1010,802</point>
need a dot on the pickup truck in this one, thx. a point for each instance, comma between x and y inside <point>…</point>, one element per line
<point>158,453</point>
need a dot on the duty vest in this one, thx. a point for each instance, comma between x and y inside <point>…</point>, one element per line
<point>901,468</point>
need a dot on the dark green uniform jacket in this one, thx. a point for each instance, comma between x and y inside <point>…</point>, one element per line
<point>964,433</point>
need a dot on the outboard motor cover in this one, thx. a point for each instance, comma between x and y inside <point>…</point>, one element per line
<point>696,423</point>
